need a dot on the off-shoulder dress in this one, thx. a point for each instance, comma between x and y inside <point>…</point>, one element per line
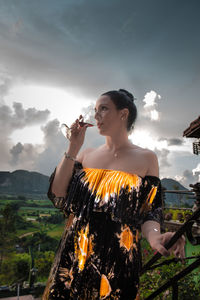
<point>99,253</point>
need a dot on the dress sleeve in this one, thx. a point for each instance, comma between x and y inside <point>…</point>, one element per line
<point>60,202</point>
<point>152,208</point>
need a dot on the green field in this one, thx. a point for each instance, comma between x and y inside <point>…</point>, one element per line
<point>56,231</point>
<point>26,231</point>
<point>38,208</point>
<point>34,208</point>
<point>40,202</point>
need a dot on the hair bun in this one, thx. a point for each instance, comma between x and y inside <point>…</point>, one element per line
<point>129,95</point>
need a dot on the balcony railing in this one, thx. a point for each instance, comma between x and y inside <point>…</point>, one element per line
<point>186,228</point>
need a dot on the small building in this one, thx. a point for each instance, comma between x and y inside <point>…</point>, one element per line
<point>193,131</point>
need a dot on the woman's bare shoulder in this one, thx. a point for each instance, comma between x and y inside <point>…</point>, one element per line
<point>150,154</point>
<point>153,166</point>
<point>83,153</point>
<point>149,159</point>
<point>143,151</point>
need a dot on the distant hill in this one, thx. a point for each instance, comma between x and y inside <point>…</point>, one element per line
<point>171,184</point>
<point>23,182</point>
<point>172,199</point>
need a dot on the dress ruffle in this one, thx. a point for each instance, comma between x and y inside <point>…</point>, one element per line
<point>128,198</point>
<point>99,253</point>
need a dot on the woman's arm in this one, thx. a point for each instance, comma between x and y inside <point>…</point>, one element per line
<point>151,229</point>
<point>65,167</point>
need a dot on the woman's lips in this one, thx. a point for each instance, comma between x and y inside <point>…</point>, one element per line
<point>99,125</point>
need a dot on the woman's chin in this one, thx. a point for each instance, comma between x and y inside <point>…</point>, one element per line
<point>101,131</point>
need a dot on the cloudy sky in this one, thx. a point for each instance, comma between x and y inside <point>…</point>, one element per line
<point>57,57</point>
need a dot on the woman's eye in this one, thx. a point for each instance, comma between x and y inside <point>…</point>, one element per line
<point>102,108</point>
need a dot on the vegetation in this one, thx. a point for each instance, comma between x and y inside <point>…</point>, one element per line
<point>177,214</point>
<point>22,230</point>
<point>27,224</point>
<point>15,269</point>
<point>188,287</point>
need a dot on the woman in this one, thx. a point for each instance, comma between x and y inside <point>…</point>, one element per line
<point>113,193</point>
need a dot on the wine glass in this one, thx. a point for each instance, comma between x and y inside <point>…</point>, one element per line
<point>86,118</point>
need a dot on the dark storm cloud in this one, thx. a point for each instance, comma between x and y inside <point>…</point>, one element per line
<point>53,148</point>
<point>12,119</point>
<point>189,177</point>
<point>44,157</point>
<point>15,151</point>
<point>18,117</point>
<point>5,85</point>
<point>170,126</point>
<point>173,141</point>
<point>89,47</point>
<point>24,155</point>
<point>92,46</point>
<point>163,158</point>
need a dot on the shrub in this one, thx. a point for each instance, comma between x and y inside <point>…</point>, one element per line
<point>150,281</point>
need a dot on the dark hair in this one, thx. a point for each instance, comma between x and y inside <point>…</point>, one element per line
<point>123,99</point>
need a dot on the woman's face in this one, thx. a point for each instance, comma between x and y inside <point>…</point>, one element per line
<point>108,118</point>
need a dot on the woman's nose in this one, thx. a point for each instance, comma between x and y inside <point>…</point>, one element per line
<point>96,115</point>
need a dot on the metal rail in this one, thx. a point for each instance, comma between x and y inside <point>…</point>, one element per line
<point>173,282</point>
<point>194,240</point>
<point>184,228</point>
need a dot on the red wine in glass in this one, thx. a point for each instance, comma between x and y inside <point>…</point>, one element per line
<point>86,120</point>
<point>85,123</point>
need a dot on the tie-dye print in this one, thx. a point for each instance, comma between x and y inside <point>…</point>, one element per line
<point>99,253</point>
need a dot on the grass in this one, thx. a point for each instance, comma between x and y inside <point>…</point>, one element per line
<point>47,209</point>
<point>27,230</point>
<point>46,203</point>
<point>55,231</point>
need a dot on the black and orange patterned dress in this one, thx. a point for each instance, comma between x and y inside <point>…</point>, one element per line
<point>99,254</point>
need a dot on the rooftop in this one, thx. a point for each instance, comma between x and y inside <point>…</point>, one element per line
<point>193,131</point>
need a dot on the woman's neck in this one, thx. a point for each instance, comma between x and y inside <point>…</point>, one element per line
<point>114,143</point>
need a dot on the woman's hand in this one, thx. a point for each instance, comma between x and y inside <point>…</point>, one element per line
<point>77,134</point>
<point>157,242</point>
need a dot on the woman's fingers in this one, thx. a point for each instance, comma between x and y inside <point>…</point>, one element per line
<point>182,253</point>
<point>162,250</point>
<point>177,249</point>
<point>74,125</point>
<point>77,132</point>
<point>83,129</point>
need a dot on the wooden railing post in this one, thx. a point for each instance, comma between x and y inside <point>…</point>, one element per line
<point>175,291</point>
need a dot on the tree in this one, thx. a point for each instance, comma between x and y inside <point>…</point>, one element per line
<point>39,240</point>
<point>7,228</point>
<point>15,269</point>
<point>43,263</point>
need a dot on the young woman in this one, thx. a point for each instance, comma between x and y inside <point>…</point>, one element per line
<point>111,194</point>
